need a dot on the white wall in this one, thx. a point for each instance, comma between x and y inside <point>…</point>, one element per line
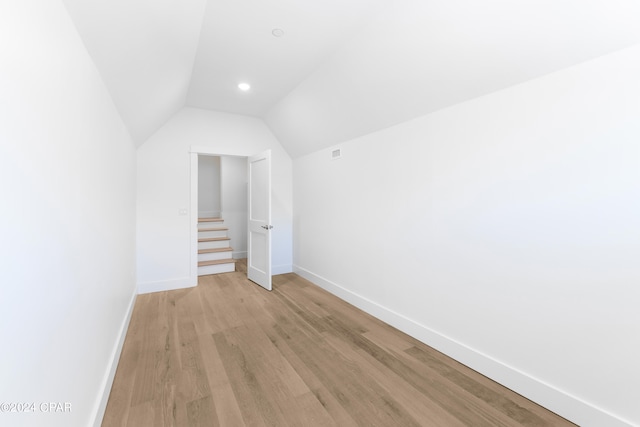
<point>163,190</point>
<point>504,231</point>
<point>67,275</point>
<point>417,57</point>
<point>235,202</point>
<point>209,190</point>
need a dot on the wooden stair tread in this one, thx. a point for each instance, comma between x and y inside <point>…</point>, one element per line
<point>213,229</point>
<point>216,262</point>
<point>214,250</point>
<point>210,219</point>
<point>213,239</point>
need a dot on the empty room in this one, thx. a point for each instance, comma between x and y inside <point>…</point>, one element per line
<point>319,213</point>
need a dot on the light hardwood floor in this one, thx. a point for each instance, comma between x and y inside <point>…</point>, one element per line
<point>228,353</point>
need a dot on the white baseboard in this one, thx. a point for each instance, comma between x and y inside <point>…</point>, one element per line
<point>239,255</point>
<point>281,269</point>
<point>101,405</point>
<point>275,269</point>
<point>166,285</point>
<point>550,397</point>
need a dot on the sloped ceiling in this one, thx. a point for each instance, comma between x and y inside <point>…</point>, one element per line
<point>343,68</point>
<point>237,45</point>
<point>144,50</point>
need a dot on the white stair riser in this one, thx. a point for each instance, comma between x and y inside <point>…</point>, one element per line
<point>217,269</point>
<point>206,234</point>
<point>214,255</point>
<point>214,245</point>
<point>211,224</point>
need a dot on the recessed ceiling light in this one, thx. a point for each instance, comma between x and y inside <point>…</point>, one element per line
<point>244,86</point>
<point>278,32</point>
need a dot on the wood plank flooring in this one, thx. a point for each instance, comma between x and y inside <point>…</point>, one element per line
<point>229,353</point>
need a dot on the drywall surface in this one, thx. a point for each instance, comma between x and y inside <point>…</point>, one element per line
<point>144,50</point>
<point>164,190</point>
<point>235,197</point>
<point>504,230</point>
<point>417,57</point>
<point>67,179</point>
<point>209,190</point>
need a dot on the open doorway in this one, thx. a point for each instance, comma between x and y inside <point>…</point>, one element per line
<point>245,199</point>
<point>221,212</point>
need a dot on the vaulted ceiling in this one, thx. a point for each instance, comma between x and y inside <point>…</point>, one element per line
<point>341,68</point>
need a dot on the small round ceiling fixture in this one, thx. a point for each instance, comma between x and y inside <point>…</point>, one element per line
<point>244,86</point>
<point>277,32</point>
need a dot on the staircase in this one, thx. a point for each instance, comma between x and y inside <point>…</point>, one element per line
<point>214,250</point>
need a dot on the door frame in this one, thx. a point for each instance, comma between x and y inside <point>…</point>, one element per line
<point>194,152</point>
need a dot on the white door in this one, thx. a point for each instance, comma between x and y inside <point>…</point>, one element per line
<point>259,245</point>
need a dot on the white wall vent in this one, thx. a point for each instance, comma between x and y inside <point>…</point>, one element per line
<point>336,154</point>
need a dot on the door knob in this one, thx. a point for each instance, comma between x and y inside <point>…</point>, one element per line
<point>267,227</point>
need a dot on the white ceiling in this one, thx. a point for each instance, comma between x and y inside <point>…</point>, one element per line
<point>144,50</point>
<point>236,44</point>
<point>343,68</point>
